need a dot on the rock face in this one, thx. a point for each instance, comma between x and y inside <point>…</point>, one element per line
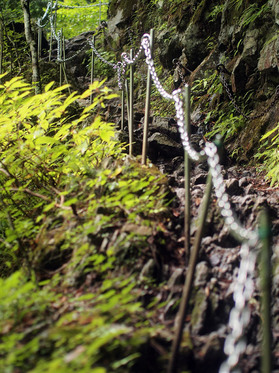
<point>243,36</point>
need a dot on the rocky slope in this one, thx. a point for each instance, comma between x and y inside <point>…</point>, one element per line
<point>241,35</point>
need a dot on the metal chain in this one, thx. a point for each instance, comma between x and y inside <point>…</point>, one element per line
<point>100,56</point>
<point>73,56</point>
<point>179,68</point>
<point>56,37</point>
<point>221,70</point>
<point>150,63</point>
<point>44,16</point>
<point>132,61</point>
<point>130,32</point>
<point>223,199</point>
<point>240,314</point>
<point>119,66</point>
<point>79,6</point>
<point>235,344</point>
<point>193,154</point>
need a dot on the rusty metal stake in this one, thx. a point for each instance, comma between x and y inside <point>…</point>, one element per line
<point>122,107</point>
<point>128,101</point>
<point>187,175</point>
<point>190,277</point>
<point>92,68</point>
<point>147,105</point>
<point>131,103</point>
<point>266,283</point>
<point>39,43</point>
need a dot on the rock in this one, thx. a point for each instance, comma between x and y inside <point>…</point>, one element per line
<point>201,274</point>
<point>177,278</point>
<point>148,270</point>
<point>243,182</point>
<point>269,55</point>
<point>199,179</point>
<point>199,311</point>
<point>161,144</point>
<point>233,188</point>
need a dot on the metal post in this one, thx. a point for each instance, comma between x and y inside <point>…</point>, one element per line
<point>128,102</point>
<point>189,277</point>
<point>147,105</point>
<point>92,67</point>
<point>60,58</point>
<point>64,63</point>
<point>50,47</point>
<point>122,107</point>
<point>50,38</point>
<point>39,42</point>
<point>187,171</point>
<point>131,122</point>
<point>265,274</point>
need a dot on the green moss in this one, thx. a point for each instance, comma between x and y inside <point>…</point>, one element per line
<point>199,11</point>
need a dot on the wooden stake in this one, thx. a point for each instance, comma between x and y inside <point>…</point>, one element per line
<point>147,105</point>
<point>92,67</point>
<point>187,175</point>
<point>131,122</point>
<point>265,274</point>
<point>190,277</point>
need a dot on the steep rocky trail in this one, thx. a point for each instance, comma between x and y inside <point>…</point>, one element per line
<point>206,324</point>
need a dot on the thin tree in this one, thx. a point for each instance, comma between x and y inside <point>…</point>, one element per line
<point>1,46</point>
<point>25,4</point>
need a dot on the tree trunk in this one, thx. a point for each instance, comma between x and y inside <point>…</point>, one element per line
<point>32,44</point>
<point>1,46</point>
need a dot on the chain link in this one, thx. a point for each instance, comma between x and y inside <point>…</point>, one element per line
<point>150,63</point>
<point>130,33</point>
<point>73,56</point>
<point>222,70</point>
<point>120,67</point>
<point>52,28</point>
<point>114,65</point>
<point>44,16</point>
<point>132,61</point>
<point>244,286</point>
<point>78,6</point>
<point>235,344</point>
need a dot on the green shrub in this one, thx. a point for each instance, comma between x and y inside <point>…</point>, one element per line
<point>76,215</point>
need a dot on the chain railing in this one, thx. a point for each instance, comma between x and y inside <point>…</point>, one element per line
<point>235,345</point>
<point>58,35</point>
<point>222,71</point>
<point>243,288</point>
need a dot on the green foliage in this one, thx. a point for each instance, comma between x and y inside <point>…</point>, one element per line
<point>215,13</point>
<point>269,154</point>
<point>252,13</point>
<point>94,333</point>
<point>227,125</point>
<point>76,217</point>
<point>40,150</point>
<point>78,20</point>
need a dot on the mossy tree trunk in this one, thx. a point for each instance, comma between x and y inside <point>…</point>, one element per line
<point>32,44</point>
<point>1,46</point>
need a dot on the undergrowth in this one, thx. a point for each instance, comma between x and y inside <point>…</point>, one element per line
<point>269,153</point>
<point>76,218</point>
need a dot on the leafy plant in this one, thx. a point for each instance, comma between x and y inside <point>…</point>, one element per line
<point>252,13</point>
<point>77,20</point>
<point>215,12</point>
<point>269,152</point>
<point>76,218</point>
